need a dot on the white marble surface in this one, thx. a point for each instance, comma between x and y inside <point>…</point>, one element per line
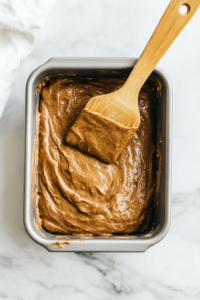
<point>169,270</point>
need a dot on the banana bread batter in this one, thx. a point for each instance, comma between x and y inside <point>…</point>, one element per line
<point>98,136</point>
<point>77,194</point>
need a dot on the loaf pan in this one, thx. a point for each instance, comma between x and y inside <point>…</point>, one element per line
<point>119,243</point>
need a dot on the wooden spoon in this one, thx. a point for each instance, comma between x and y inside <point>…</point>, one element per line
<point>121,106</point>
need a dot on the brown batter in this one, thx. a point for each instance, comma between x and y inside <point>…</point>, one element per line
<point>77,194</point>
<point>98,136</point>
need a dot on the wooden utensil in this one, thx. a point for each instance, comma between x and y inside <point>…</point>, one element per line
<point>121,106</point>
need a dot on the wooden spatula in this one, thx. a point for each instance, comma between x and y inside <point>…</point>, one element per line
<point>119,109</point>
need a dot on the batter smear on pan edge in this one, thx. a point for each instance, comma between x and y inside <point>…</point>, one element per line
<point>77,194</point>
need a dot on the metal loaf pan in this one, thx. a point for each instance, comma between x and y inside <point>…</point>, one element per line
<point>123,243</point>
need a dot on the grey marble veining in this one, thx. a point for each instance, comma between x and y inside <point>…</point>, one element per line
<point>170,269</point>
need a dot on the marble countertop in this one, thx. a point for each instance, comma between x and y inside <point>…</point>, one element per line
<point>168,270</point>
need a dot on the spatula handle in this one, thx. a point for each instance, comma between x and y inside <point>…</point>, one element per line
<point>169,27</point>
